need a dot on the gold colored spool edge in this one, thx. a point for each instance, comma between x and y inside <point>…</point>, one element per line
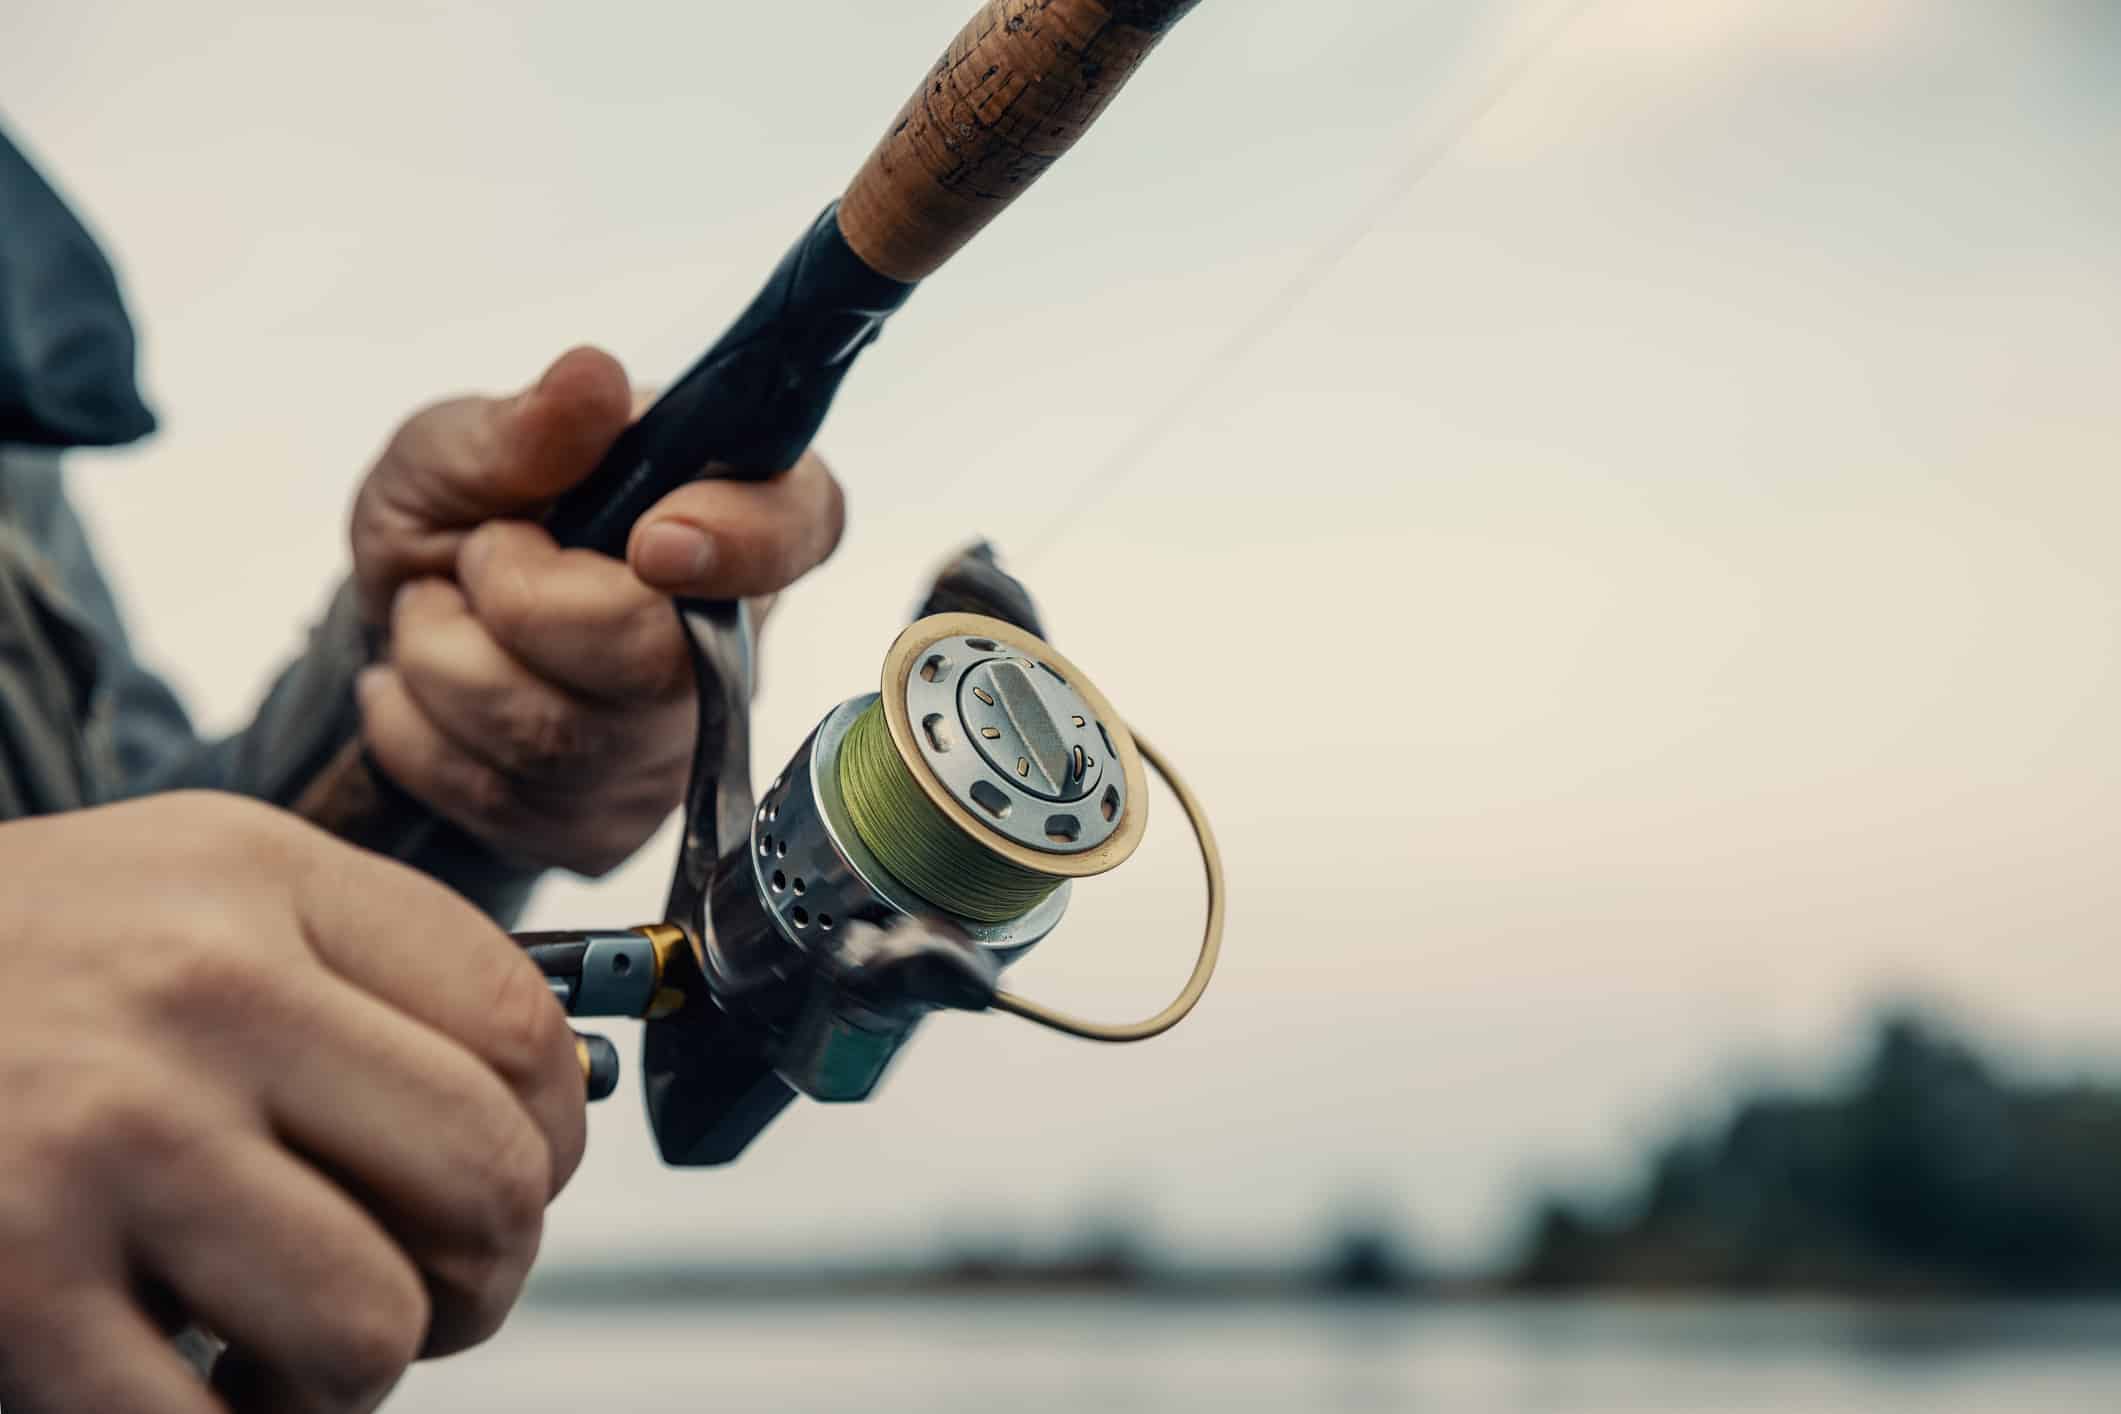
<point>899,662</point>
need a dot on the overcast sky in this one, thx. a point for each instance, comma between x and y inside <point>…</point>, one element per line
<point>1657,597</point>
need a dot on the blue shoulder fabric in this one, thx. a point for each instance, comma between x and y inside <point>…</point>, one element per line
<point>66,345</point>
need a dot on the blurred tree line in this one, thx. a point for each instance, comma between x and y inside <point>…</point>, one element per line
<point>1930,1173</point>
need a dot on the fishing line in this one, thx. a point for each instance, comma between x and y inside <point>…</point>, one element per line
<point>1212,371</point>
<point>918,843</point>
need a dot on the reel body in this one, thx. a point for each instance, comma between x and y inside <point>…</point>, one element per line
<point>922,838</point>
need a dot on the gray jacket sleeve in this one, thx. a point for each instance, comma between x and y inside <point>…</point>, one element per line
<point>305,716</point>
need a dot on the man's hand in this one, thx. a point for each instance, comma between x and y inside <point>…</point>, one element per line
<point>260,1080</point>
<point>542,698</point>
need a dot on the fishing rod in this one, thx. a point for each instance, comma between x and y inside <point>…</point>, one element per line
<point>928,834</point>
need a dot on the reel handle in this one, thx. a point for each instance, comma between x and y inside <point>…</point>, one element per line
<point>631,972</point>
<point>600,1065</point>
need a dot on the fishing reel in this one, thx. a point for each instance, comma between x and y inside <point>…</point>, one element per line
<point>922,838</point>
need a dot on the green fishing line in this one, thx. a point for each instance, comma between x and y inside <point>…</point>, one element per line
<point>917,842</point>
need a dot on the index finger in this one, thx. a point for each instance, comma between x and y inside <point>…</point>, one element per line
<point>719,539</point>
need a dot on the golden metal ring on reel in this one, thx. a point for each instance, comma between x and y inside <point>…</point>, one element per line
<point>899,665</point>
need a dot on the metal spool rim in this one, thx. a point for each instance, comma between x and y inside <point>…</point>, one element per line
<point>924,634</point>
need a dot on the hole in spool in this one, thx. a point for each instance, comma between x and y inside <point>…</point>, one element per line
<point>1110,749</point>
<point>980,645</point>
<point>802,918</point>
<point>765,846</point>
<point>800,887</point>
<point>780,881</point>
<point>622,963</point>
<point>991,799</point>
<point>1109,806</point>
<point>940,737</point>
<point>1054,673</point>
<point>934,667</point>
<point>824,922</point>
<point>1063,829</point>
<point>780,849</point>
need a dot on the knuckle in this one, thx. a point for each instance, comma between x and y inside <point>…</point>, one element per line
<point>508,599</point>
<point>51,1351</point>
<point>370,529</point>
<point>518,1186</point>
<point>515,1185</point>
<point>832,518</point>
<point>528,1033</point>
<point>210,979</point>
<point>376,1334</point>
<point>541,736</point>
<point>76,1132</point>
<point>216,820</point>
<point>473,1296</point>
<point>657,666</point>
<point>472,1301</point>
<point>476,1276</point>
<point>412,605</point>
<point>788,560</point>
<point>565,1148</point>
<point>480,791</point>
<point>147,1133</point>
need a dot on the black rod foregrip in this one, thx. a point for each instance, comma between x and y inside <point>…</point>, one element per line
<point>753,402</point>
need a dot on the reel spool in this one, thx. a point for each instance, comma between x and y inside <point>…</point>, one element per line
<point>986,774</point>
<point>984,777</point>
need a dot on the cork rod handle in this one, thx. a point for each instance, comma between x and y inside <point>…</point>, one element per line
<point>1021,82</point>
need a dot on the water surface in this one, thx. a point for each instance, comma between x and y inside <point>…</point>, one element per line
<point>1043,1355</point>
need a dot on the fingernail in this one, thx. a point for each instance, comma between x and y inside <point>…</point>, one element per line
<point>672,552</point>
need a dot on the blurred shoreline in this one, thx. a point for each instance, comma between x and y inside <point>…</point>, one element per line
<point>1928,1178</point>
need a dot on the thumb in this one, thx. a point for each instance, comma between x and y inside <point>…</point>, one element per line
<point>458,464</point>
<point>551,435</point>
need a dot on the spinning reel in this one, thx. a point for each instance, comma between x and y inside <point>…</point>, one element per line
<point>924,837</point>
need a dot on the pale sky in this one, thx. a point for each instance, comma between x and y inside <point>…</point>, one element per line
<point>1655,599</point>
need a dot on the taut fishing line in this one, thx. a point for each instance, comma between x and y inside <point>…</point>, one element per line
<point>1212,372</point>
